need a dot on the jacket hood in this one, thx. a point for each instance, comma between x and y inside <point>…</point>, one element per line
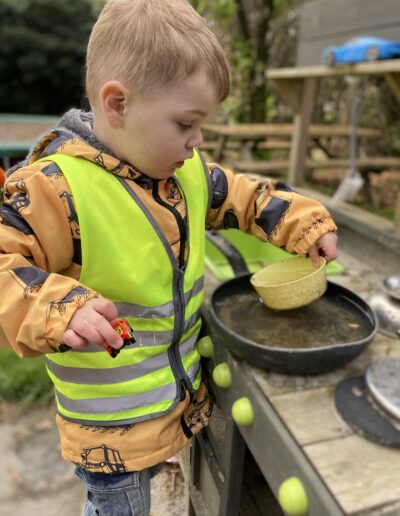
<point>74,136</point>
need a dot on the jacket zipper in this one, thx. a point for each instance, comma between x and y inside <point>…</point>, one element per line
<point>180,278</point>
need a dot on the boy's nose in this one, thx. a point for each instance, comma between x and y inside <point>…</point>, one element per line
<point>196,140</point>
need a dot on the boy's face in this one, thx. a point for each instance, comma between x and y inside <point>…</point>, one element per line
<point>160,130</point>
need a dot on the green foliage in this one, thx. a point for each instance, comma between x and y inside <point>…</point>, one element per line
<point>221,11</point>
<point>247,33</point>
<point>42,54</point>
<point>394,135</point>
<point>272,109</point>
<point>23,379</point>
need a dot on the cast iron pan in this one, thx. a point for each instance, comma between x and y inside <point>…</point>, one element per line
<point>313,339</point>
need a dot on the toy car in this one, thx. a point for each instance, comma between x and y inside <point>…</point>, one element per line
<point>123,328</point>
<point>360,49</point>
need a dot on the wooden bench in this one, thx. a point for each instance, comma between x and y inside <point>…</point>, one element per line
<point>266,167</point>
<point>273,144</point>
<point>246,138</point>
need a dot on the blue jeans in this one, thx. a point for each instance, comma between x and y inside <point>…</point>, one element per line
<point>117,494</point>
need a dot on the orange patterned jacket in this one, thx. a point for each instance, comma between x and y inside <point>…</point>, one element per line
<point>40,261</point>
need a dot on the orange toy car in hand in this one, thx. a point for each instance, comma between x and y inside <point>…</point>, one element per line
<point>123,328</point>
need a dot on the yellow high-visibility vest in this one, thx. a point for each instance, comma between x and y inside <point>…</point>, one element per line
<point>127,258</point>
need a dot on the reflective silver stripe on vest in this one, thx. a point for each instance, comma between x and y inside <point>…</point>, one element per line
<point>145,338</point>
<point>166,310</point>
<point>118,404</point>
<point>191,321</point>
<point>91,376</point>
<point>192,373</point>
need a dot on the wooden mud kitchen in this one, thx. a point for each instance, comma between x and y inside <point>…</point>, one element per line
<point>293,451</point>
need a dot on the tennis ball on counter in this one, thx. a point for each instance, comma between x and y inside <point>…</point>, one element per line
<point>293,497</point>
<point>205,347</point>
<point>242,412</point>
<point>222,375</point>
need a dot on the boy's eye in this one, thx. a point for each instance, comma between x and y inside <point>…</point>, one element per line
<point>185,125</point>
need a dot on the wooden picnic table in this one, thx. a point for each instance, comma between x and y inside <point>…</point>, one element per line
<point>298,87</point>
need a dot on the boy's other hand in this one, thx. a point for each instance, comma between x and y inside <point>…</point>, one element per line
<point>326,246</point>
<point>92,323</point>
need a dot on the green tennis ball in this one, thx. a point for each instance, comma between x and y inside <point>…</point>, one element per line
<point>293,497</point>
<point>222,375</point>
<point>205,347</point>
<point>242,412</point>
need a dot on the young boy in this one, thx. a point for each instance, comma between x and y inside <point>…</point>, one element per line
<point>106,220</point>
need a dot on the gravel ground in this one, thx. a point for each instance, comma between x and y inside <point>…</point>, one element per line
<point>36,481</point>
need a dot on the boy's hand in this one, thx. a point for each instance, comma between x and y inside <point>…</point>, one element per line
<point>91,323</point>
<point>326,247</point>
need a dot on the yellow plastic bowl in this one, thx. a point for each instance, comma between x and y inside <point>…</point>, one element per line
<point>290,283</point>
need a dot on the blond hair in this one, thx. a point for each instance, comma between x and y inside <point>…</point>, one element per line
<point>152,44</point>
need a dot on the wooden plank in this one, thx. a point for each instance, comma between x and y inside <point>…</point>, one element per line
<point>359,473</point>
<point>301,123</point>
<point>374,68</point>
<point>274,145</point>
<point>220,147</point>
<point>234,145</point>
<point>393,81</point>
<point>320,422</point>
<point>375,162</point>
<point>316,130</point>
<point>213,145</point>
<point>260,131</point>
<point>260,167</point>
<point>396,218</point>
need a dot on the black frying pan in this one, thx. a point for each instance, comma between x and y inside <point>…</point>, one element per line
<point>313,339</point>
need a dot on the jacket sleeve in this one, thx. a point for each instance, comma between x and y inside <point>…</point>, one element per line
<point>268,209</point>
<point>36,248</point>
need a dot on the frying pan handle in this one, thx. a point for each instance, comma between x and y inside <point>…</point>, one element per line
<point>230,252</point>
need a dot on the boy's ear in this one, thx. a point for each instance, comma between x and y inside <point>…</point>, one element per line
<point>113,97</point>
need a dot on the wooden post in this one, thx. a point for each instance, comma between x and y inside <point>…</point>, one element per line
<point>393,80</point>
<point>219,151</point>
<point>396,219</point>
<point>300,135</point>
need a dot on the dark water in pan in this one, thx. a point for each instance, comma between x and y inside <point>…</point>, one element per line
<point>325,322</point>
